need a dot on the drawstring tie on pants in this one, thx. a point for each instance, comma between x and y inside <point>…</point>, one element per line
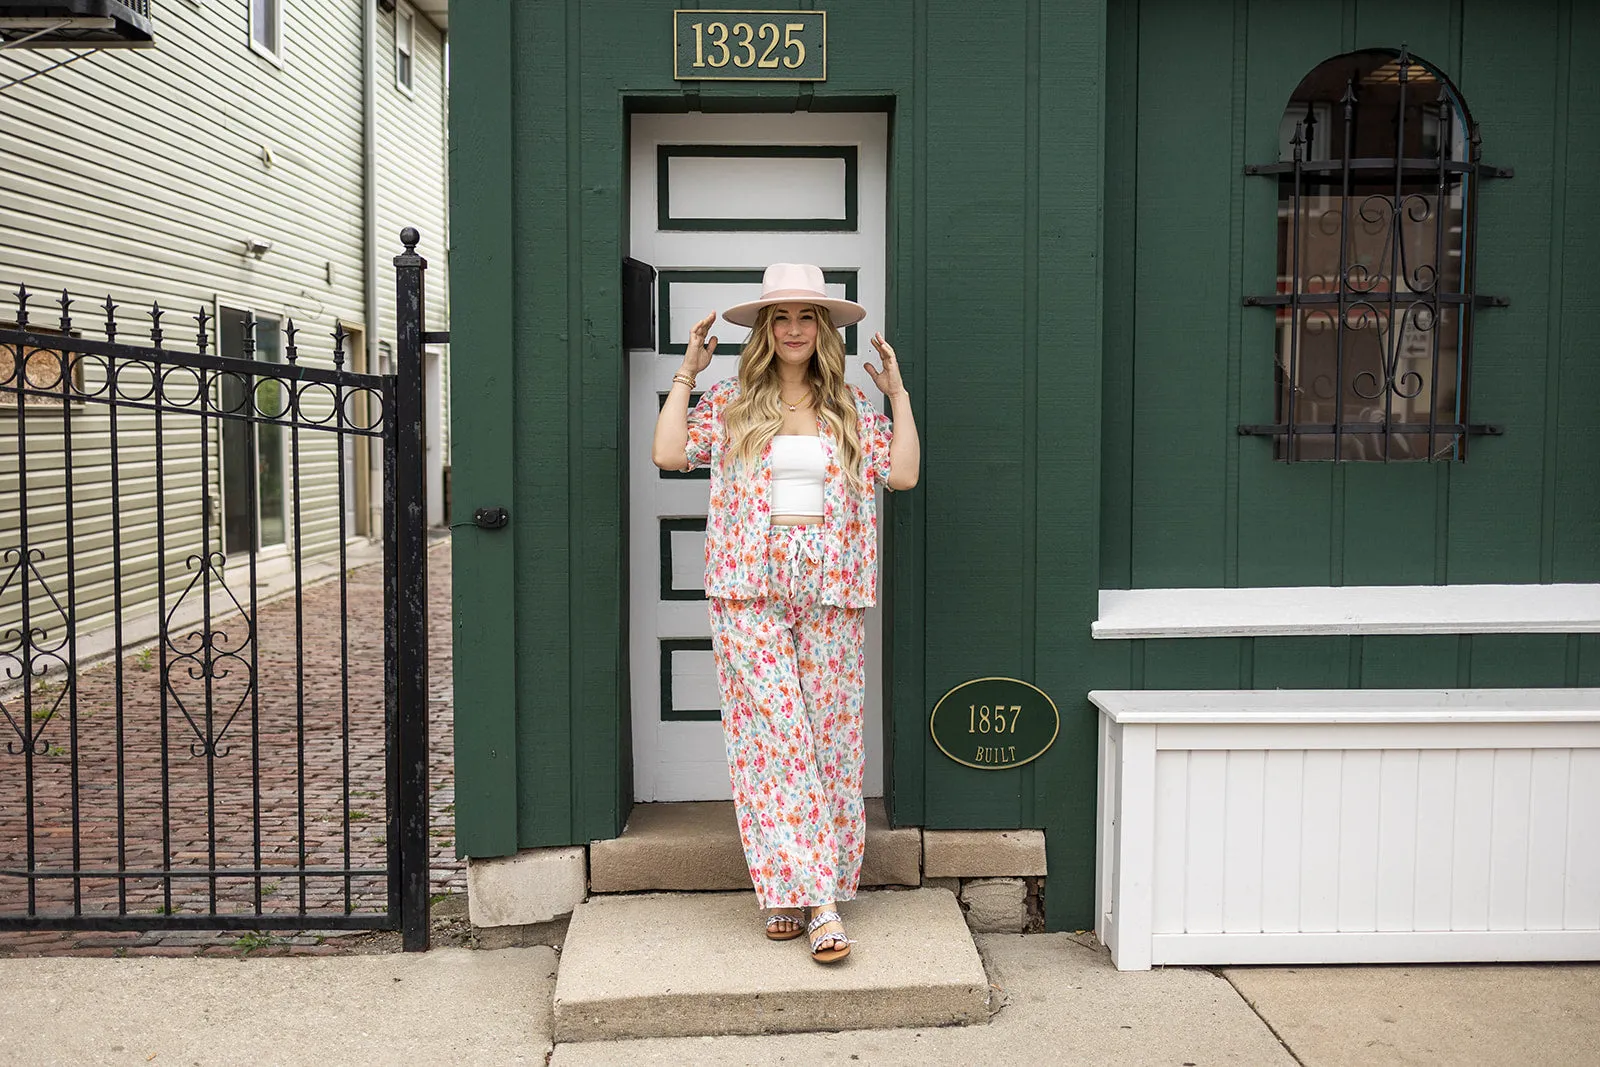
<point>803,544</point>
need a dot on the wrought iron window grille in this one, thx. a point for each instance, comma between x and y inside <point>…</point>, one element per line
<point>1376,290</point>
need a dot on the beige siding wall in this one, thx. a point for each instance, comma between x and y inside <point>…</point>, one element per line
<point>411,172</point>
<point>141,174</point>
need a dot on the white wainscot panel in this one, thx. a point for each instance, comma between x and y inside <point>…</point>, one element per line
<point>738,188</point>
<point>688,563</point>
<point>694,681</point>
<point>690,301</point>
<point>1329,826</point>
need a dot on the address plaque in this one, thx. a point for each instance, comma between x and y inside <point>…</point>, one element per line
<point>750,45</point>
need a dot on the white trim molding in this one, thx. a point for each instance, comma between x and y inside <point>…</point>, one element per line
<point>1348,826</point>
<point>273,53</point>
<point>1304,611</point>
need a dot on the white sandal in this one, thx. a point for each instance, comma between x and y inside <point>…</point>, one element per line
<point>775,934</point>
<point>840,942</point>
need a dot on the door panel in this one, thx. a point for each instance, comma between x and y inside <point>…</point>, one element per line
<point>714,199</point>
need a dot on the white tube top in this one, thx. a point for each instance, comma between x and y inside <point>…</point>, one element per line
<point>797,471</point>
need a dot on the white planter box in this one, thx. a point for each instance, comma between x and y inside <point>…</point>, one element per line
<point>1349,826</point>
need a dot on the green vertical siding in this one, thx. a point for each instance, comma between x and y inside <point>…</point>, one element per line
<point>1070,235</point>
<point>1575,553</point>
<point>484,563</point>
<point>993,252</point>
<point>1200,507</point>
<point>1066,402</point>
<point>1435,661</point>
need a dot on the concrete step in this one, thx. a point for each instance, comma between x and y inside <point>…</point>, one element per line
<point>689,965</point>
<point>695,846</point>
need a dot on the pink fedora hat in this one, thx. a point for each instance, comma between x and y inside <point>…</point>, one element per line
<point>795,283</point>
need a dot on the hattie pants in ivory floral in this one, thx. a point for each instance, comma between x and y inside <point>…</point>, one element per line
<point>793,678</point>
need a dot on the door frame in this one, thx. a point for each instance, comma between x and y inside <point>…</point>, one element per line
<point>900,540</point>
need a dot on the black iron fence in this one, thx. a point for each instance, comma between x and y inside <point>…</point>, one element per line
<point>212,719</point>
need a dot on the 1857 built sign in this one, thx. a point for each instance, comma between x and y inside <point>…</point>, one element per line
<point>994,723</point>
<point>750,45</point>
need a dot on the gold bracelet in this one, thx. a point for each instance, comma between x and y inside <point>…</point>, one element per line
<point>685,379</point>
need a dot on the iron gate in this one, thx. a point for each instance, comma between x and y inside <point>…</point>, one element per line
<point>215,717</point>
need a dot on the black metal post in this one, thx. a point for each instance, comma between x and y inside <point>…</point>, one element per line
<point>410,522</point>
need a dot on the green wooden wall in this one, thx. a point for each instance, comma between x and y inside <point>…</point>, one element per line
<point>996,164</point>
<point>1070,237</point>
<point>1198,91</point>
<point>1194,93</point>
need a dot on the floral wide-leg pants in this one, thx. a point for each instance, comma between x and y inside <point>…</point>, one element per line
<point>793,677</point>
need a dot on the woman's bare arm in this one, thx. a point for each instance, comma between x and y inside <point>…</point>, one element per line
<point>667,451</point>
<point>905,449</point>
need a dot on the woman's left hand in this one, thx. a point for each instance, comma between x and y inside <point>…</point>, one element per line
<point>888,379</point>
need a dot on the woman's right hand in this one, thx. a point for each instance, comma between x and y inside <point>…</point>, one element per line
<point>701,347</point>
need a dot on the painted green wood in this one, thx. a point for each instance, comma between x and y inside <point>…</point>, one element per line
<point>1120,303</point>
<point>1559,204</point>
<point>1237,207</point>
<point>1424,26</point>
<point>905,611</point>
<point>1358,523</point>
<point>1196,663</point>
<point>1286,516</point>
<point>1071,64</point>
<point>1424,662</point>
<point>1577,499</point>
<point>1001,161</point>
<point>1300,663</point>
<point>1185,181</point>
<point>1588,660</point>
<point>542,386</point>
<point>975,476</point>
<point>1516,660</point>
<point>482,319</point>
<point>598,539</point>
<point>1507,76</point>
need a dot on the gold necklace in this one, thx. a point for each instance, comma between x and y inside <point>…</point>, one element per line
<point>796,405</point>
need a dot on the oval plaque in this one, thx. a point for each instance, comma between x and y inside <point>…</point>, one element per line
<point>994,724</point>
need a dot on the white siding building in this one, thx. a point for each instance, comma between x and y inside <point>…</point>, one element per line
<point>259,161</point>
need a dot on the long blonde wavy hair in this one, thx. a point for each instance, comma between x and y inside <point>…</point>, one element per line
<point>755,418</point>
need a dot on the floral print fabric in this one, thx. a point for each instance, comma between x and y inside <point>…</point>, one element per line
<point>793,677</point>
<point>738,518</point>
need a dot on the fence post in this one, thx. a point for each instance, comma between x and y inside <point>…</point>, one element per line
<point>410,525</point>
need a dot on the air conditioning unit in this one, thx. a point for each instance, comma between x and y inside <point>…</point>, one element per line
<point>76,24</point>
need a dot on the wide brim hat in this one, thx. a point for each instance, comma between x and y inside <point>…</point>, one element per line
<point>796,283</point>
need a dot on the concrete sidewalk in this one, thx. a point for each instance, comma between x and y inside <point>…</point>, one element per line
<point>444,1007</point>
<point>1058,1001</point>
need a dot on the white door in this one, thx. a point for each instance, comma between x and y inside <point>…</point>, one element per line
<point>714,199</point>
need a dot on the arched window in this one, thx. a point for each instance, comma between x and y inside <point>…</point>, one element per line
<point>1377,174</point>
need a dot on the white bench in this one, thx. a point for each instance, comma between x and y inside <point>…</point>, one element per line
<point>1348,826</point>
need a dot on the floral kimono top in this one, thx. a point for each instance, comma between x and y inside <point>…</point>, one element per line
<point>738,520</point>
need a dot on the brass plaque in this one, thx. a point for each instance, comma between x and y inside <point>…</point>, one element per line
<point>994,724</point>
<point>750,45</point>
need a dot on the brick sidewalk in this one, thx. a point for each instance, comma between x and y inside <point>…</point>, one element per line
<point>227,823</point>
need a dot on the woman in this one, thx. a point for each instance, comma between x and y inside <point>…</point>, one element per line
<point>791,567</point>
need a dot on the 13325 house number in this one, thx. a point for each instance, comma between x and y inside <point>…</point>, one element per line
<point>1008,723</point>
<point>750,45</point>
